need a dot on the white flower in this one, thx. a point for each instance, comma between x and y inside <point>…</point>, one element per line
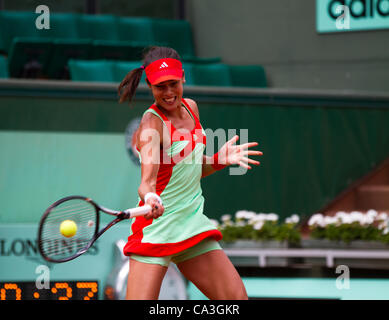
<point>258,225</point>
<point>240,223</point>
<point>256,218</point>
<point>260,217</point>
<point>295,218</point>
<point>346,219</point>
<point>386,231</point>
<point>241,214</point>
<point>372,213</point>
<point>382,225</point>
<point>366,220</point>
<point>382,216</point>
<point>356,216</point>
<point>227,223</point>
<point>226,217</point>
<point>341,214</point>
<point>316,220</point>
<point>271,217</point>
<point>343,217</point>
<point>250,215</point>
<point>330,220</point>
<point>244,214</point>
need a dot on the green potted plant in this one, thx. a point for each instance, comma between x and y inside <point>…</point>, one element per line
<point>354,230</point>
<point>250,230</point>
<point>349,230</point>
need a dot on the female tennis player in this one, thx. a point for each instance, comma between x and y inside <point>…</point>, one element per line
<point>171,142</point>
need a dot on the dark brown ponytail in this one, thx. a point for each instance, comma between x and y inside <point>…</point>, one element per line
<point>130,83</point>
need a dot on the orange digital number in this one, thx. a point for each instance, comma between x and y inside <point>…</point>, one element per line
<point>62,286</point>
<point>91,286</point>
<point>10,286</point>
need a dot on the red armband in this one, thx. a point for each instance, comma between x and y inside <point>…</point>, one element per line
<point>215,162</point>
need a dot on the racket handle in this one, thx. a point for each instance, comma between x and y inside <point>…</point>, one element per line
<point>139,211</point>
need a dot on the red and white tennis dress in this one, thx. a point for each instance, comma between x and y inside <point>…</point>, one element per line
<point>183,223</point>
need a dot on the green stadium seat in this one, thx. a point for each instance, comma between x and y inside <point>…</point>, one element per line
<point>45,53</point>
<point>136,29</point>
<point>62,51</point>
<point>212,74</point>
<point>188,69</point>
<point>176,34</point>
<point>28,57</point>
<point>28,53</point>
<point>98,27</point>
<point>248,76</point>
<point>3,45</point>
<point>16,24</point>
<point>202,60</point>
<point>62,26</point>
<point>122,68</point>
<point>3,67</point>
<point>117,50</point>
<point>66,42</point>
<point>91,70</point>
<point>112,37</point>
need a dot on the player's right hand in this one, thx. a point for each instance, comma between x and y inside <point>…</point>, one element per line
<point>157,208</point>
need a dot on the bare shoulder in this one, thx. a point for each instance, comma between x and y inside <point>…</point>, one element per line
<point>150,121</point>
<point>193,106</point>
<point>150,125</point>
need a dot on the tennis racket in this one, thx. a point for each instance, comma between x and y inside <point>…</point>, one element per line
<point>70,226</point>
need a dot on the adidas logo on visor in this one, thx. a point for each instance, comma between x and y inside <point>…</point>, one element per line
<point>163,65</point>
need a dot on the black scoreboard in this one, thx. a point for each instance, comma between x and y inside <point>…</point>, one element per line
<point>58,290</point>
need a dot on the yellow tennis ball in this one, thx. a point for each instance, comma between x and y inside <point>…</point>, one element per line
<point>68,228</point>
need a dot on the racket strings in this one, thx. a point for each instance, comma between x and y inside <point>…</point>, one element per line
<point>57,246</point>
<point>60,246</point>
<point>79,215</point>
<point>70,209</point>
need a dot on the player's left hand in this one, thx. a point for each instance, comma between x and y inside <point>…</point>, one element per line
<point>230,153</point>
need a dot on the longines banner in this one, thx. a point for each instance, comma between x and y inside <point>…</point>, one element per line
<point>351,15</point>
<point>21,264</point>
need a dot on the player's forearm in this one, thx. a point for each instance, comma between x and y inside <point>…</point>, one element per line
<point>146,187</point>
<point>207,168</point>
<point>210,166</point>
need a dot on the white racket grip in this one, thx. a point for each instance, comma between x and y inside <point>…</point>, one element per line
<point>139,211</point>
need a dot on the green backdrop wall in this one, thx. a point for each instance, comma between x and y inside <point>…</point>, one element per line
<point>66,138</point>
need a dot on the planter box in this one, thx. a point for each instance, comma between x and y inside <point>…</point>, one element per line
<point>353,245</point>
<point>254,261</point>
<point>356,244</point>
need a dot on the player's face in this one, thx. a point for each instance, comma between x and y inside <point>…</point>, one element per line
<point>168,94</point>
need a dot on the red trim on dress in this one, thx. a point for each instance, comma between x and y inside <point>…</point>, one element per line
<point>167,249</point>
